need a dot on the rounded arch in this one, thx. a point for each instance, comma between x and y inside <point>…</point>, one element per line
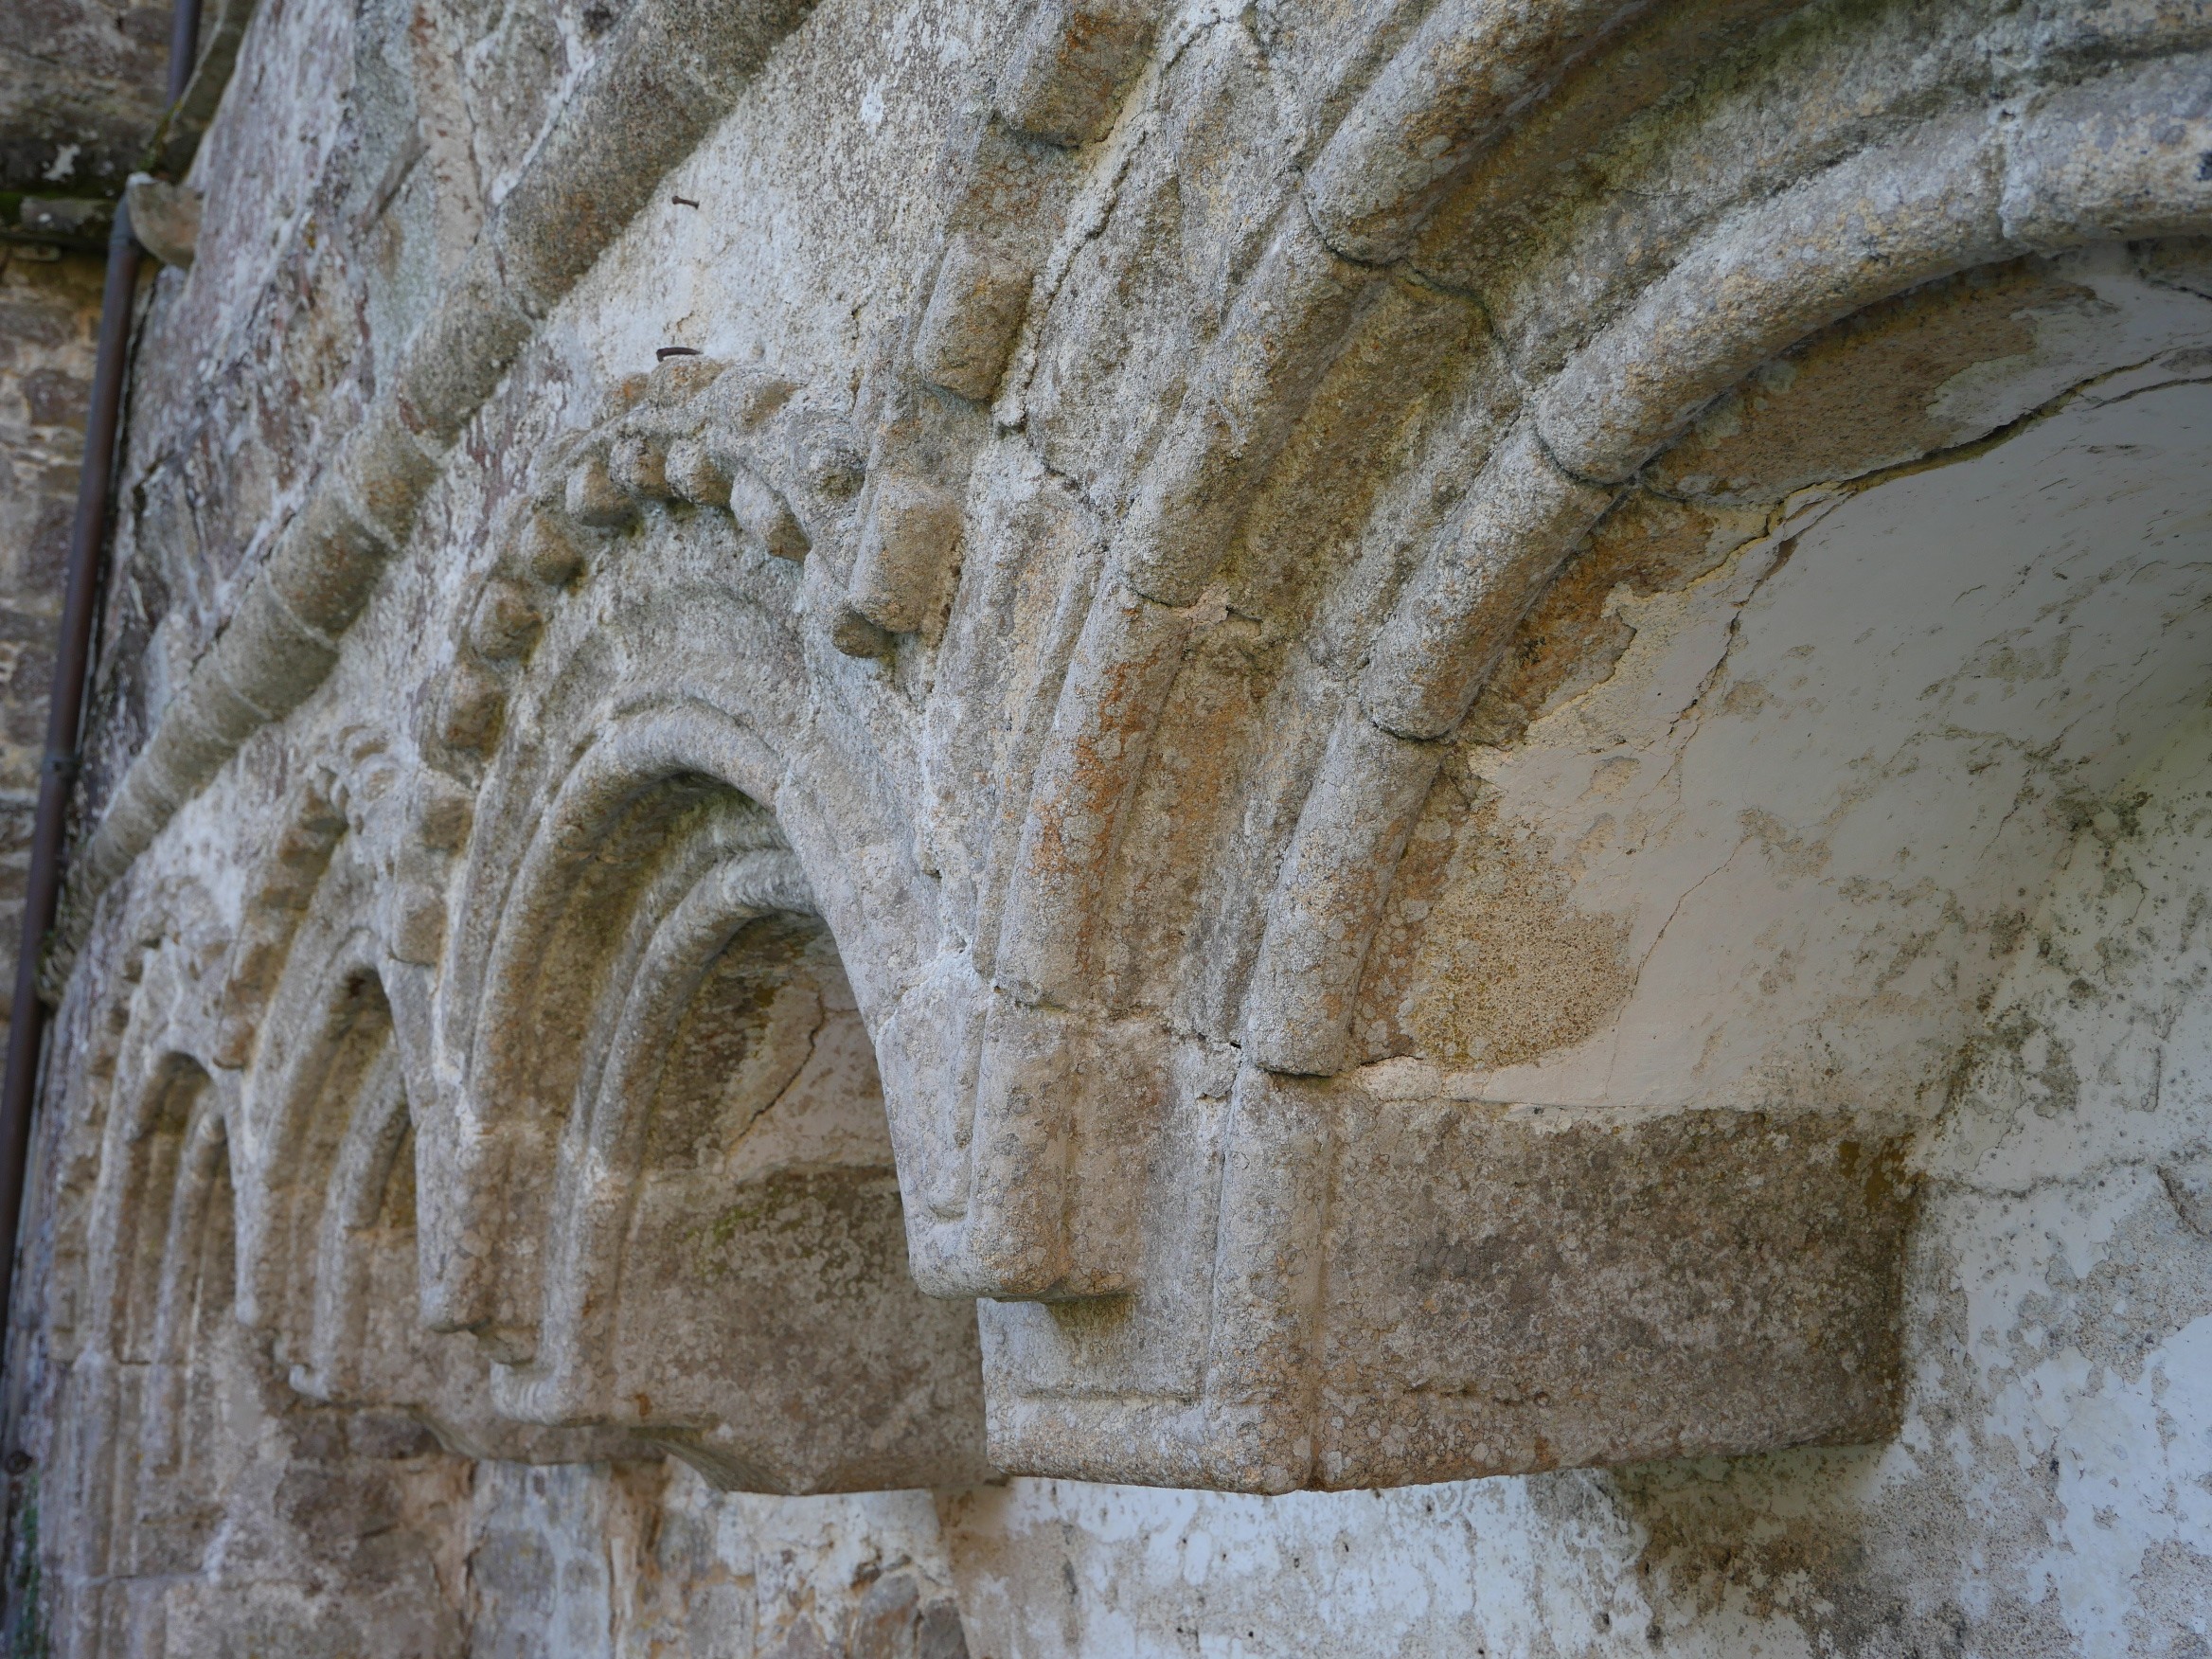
<point>578,881</point>
<point>1254,718</point>
<point>187,1455</point>
<point>675,657</point>
<point>661,1061</point>
<point>331,1256</point>
<point>1397,493</point>
<point>149,1460</point>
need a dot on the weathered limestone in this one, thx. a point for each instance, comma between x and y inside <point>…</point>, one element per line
<point>164,218</point>
<point>1264,753</point>
<point>51,308</point>
<point>649,100</point>
<point>1054,1204</point>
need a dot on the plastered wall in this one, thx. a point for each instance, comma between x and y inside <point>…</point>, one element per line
<point>2050,1492</point>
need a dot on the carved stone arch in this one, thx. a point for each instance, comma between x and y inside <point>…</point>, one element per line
<point>1934,198</point>
<point>167,945</point>
<point>190,1461</point>
<point>354,797</point>
<point>149,1460</point>
<point>673,1148</point>
<point>343,1253</point>
<point>1924,208</point>
<point>679,611</point>
<point>590,859</point>
<point>321,887</point>
<point>328,1032</point>
<point>175,1309</point>
<point>677,619</point>
<point>334,1258</point>
<point>1448,376</point>
<point>285,881</point>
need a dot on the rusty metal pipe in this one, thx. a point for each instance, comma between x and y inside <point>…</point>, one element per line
<point>65,713</point>
<point>65,704</point>
<point>183,48</point>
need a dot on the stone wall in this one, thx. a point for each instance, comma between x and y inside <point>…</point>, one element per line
<point>79,94</point>
<point>50,302</point>
<point>1359,829</point>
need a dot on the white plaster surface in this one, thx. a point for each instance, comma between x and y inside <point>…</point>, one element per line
<point>1824,783</point>
<point>2051,1491</point>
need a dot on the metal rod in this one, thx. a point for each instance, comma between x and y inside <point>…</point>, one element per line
<point>72,676</point>
<point>64,711</point>
<point>183,48</point>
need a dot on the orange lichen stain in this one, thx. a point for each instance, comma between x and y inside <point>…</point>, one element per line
<point>1483,958</point>
<point>1574,636</point>
<point>1867,392</point>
